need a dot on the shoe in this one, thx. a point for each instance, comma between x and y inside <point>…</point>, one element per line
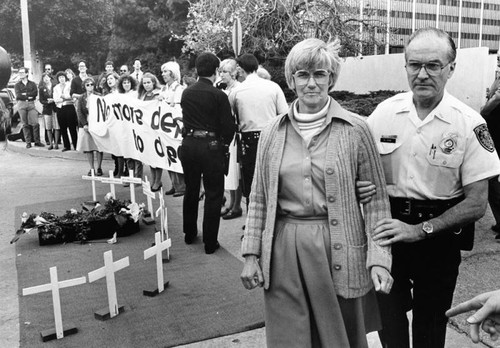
<point>39,144</point>
<point>232,215</point>
<point>56,147</point>
<point>89,173</point>
<point>65,149</point>
<point>211,249</point>
<point>189,239</point>
<point>28,145</point>
<point>99,172</point>
<point>50,147</point>
<point>170,192</point>
<point>495,228</point>
<point>224,211</point>
<point>156,189</point>
<point>178,194</point>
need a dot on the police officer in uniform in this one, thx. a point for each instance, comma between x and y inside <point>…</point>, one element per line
<point>437,156</point>
<point>208,130</point>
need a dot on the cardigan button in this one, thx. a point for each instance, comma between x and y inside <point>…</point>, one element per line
<point>331,199</point>
<point>329,171</point>
<point>337,267</point>
<point>337,246</point>
<point>334,222</point>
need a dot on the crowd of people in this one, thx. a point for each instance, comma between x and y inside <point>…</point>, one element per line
<point>350,222</point>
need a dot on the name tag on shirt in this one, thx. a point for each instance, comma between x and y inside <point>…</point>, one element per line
<point>388,139</point>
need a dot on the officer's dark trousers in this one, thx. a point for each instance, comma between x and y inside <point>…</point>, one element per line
<point>199,161</point>
<point>429,268</point>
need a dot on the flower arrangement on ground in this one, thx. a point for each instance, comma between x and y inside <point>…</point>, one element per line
<point>92,222</point>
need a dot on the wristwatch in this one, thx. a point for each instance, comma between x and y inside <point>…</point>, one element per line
<point>427,228</point>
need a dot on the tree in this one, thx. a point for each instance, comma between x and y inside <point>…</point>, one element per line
<point>62,31</point>
<point>270,27</point>
<point>144,29</point>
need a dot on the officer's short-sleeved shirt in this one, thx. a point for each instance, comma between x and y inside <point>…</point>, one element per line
<point>436,157</point>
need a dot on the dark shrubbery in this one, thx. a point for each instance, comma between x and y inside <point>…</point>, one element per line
<point>362,104</point>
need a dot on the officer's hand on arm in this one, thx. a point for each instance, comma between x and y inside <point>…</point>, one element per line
<point>389,231</point>
<point>364,191</point>
<point>382,279</point>
<point>488,313</point>
<point>251,276</point>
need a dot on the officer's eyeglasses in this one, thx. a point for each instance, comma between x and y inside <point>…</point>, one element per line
<point>320,76</point>
<point>432,69</point>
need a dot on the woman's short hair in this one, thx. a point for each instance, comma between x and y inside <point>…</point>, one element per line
<point>229,64</point>
<point>87,80</point>
<point>126,77</point>
<point>61,73</point>
<point>174,68</point>
<point>312,54</point>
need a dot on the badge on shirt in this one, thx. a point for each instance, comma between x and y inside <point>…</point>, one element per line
<point>484,137</point>
<point>388,139</point>
<point>449,143</point>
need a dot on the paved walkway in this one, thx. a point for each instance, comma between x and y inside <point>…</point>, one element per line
<point>39,175</point>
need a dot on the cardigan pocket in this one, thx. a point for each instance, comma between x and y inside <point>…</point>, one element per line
<point>358,275</point>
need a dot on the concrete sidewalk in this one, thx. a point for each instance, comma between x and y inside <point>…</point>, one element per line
<point>39,175</point>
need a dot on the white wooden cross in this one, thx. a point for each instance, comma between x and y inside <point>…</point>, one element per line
<point>92,178</point>
<point>132,181</point>
<point>108,271</point>
<point>54,286</point>
<point>157,250</point>
<point>146,189</point>
<point>162,211</point>
<point>112,181</point>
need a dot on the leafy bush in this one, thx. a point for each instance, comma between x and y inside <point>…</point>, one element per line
<point>362,104</point>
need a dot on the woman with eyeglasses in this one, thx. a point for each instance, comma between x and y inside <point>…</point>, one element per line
<point>307,240</point>
<point>85,142</point>
<point>228,72</point>
<point>66,112</point>
<point>149,89</point>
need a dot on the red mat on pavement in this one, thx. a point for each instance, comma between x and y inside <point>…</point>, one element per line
<point>205,298</point>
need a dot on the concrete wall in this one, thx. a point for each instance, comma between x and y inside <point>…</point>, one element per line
<point>473,74</point>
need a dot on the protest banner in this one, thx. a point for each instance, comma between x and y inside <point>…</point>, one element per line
<point>148,131</point>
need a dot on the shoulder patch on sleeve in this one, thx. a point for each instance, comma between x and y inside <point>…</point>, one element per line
<point>484,137</point>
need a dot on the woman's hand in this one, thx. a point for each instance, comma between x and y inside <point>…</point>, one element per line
<point>382,279</point>
<point>364,191</point>
<point>251,276</point>
<point>86,128</point>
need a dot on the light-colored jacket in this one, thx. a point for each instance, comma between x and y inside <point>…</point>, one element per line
<point>351,155</point>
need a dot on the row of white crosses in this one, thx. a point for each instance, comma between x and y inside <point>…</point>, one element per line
<point>162,243</point>
<point>108,272</point>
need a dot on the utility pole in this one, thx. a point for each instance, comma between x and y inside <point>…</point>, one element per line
<point>26,35</point>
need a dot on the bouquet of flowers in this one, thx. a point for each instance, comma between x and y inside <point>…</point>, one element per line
<point>92,222</point>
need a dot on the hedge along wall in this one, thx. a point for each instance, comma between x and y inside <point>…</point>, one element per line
<point>474,73</point>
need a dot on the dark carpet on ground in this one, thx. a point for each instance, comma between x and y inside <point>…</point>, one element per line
<point>205,298</point>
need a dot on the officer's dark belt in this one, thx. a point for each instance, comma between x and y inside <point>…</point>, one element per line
<point>415,208</point>
<point>198,133</point>
<point>414,211</point>
<point>249,136</point>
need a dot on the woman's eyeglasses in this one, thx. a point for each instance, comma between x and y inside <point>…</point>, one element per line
<point>320,76</point>
<point>88,84</point>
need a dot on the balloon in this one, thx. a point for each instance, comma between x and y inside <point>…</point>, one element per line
<point>5,68</point>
